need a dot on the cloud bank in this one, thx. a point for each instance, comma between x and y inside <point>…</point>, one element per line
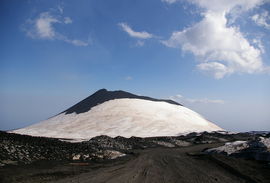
<point>183,99</point>
<point>221,49</point>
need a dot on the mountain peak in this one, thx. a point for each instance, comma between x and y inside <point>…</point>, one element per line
<point>103,90</point>
<point>104,95</point>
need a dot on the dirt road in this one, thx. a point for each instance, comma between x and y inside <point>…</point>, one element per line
<point>154,165</point>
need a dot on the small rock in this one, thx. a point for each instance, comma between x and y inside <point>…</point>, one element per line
<point>76,157</point>
<point>165,144</point>
<point>111,154</point>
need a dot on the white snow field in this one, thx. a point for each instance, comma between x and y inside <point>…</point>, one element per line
<point>123,117</point>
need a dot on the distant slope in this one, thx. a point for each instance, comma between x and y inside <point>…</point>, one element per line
<point>123,117</point>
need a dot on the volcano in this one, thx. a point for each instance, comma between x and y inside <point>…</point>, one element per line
<point>119,113</point>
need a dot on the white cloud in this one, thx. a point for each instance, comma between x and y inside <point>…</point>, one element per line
<point>169,1</point>
<point>141,35</point>
<point>60,9</point>
<point>181,99</point>
<point>206,101</point>
<point>76,42</point>
<point>222,5</point>
<point>67,20</point>
<point>221,48</point>
<point>218,70</point>
<point>227,5</point>
<point>262,19</point>
<point>259,44</point>
<point>43,27</point>
<point>179,96</point>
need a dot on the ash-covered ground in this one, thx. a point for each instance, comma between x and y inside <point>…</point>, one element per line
<point>196,157</point>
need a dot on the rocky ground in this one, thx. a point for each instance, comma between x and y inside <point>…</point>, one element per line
<point>196,157</point>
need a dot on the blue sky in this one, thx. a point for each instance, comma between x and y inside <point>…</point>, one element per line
<point>212,57</point>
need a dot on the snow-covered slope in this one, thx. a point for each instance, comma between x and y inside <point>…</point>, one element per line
<point>123,117</point>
